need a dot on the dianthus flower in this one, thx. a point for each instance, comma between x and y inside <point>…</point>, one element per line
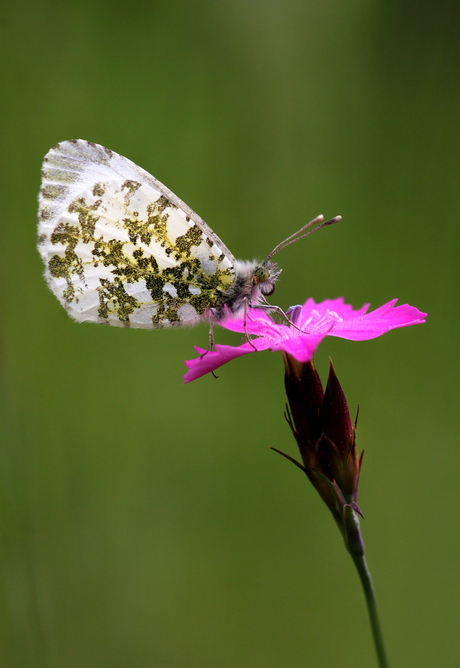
<point>320,420</point>
<point>308,325</point>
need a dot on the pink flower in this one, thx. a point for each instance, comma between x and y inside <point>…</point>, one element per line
<point>309,325</point>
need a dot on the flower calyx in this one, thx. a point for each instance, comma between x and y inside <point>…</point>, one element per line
<point>320,422</point>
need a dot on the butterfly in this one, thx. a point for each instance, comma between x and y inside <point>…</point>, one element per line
<point>121,249</point>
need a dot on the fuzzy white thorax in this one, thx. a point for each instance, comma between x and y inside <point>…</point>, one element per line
<point>253,280</point>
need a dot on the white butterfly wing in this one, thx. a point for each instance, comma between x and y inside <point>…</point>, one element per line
<point>120,248</point>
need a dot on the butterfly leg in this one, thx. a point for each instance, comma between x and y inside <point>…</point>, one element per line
<point>211,334</point>
<point>245,314</point>
<point>210,343</point>
<point>265,306</point>
<point>211,337</point>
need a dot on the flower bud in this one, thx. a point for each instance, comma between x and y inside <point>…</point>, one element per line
<point>325,435</point>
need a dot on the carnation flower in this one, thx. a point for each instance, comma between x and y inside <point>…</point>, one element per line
<point>308,325</point>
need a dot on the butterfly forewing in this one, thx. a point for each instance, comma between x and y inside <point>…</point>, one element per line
<point>120,248</point>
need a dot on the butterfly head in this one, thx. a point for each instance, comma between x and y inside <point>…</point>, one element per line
<point>265,276</point>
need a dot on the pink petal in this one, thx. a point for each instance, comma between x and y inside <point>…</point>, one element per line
<point>311,323</point>
<point>212,359</point>
<point>312,310</point>
<point>257,323</point>
<point>378,322</point>
<point>302,346</point>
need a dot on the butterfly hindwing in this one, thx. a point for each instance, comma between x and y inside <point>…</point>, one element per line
<point>120,248</point>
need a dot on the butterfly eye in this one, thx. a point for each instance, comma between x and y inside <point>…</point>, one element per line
<point>261,274</point>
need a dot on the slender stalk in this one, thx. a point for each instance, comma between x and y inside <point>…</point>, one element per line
<point>369,593</point>
<point>354,543</point>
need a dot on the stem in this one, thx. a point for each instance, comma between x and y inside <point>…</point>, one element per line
<point>355,546</point>
<point>369,593</point>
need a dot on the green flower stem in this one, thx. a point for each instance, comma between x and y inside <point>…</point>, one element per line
<point>355,546</point>
<point>369,593</point>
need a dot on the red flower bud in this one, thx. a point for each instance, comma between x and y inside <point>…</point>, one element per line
<point>325,435</point>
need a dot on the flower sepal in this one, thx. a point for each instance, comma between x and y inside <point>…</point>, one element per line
<point>320,422</point>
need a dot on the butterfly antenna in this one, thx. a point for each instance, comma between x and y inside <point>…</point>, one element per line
<point>294,237</point>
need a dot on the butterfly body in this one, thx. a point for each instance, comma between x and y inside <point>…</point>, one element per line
<point>120,248</point>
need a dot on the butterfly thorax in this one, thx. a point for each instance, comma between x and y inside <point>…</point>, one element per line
<point>253,282</point>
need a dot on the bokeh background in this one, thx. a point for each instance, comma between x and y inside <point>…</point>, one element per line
<point>147,523</point>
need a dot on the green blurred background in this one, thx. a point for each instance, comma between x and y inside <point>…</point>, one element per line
<point>147,523</point>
